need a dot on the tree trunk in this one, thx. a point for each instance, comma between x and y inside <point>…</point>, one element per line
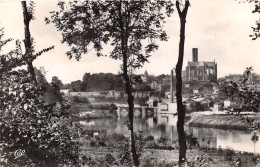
<point>130,99</point>
<point>180,107</point>
<point>27,42</point>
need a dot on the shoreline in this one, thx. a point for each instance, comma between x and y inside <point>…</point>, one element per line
<point>231,122</point>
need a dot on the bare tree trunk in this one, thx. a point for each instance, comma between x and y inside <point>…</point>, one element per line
<point>180,107</point>
<point>130,100</point>
<point>27,41</point>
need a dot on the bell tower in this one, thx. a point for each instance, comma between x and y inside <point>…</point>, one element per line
<point>194,54</point>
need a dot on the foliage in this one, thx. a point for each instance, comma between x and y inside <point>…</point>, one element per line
<point>191,140</point>
<point>122,24</point>
<point>27,122</point>
<point>98,23</point>
<point>246,95</point>
<point>229,153</point>
<point>142,101</point>
<point>56,82</point>
<point>98,82</point>
<point>79,99</point>
<point>256,29</point>
<point>254,138</point>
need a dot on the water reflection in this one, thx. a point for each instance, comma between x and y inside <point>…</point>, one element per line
<point>164,125</point>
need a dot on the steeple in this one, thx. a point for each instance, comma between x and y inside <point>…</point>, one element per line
<point>145,79</point>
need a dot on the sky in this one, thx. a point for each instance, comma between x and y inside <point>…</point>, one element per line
<point>220,30</point>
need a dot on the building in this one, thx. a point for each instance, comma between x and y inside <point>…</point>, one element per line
<point>156,85</point>
<point>145,77</point>
<point>200,70</point>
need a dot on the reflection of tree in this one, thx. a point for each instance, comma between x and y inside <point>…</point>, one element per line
<point>162,129</point>
<point>254,139</point>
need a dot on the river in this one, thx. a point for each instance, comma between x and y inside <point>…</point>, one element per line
<point>164,125</point>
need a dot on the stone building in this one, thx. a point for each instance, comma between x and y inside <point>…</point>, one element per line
<point>145,77</point>
<point>200,70</point>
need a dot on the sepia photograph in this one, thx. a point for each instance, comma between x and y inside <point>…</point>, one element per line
<point>130,83</point>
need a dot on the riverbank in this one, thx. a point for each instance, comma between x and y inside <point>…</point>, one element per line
<point>112,150</point>
<point>101,148</point>
<point>225,121</point>
<point>83,111</point>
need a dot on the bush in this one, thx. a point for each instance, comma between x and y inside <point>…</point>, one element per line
<point>92,143</point>
<point>29,124</point>
<point>142,101</point>
<point>149,138</point>
<point>79,99</point>
<point>229,154</point>
<point>100,106</point>
<point>112,109</point>
<point>191,140</point>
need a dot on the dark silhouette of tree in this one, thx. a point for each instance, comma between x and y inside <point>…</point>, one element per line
<point>180,106</point>
<point>122,24</point>
<point>28,41</point>
<point>56,82</point>
<point>256,28</point>
<point>246,94</point>
<point>26,122</point>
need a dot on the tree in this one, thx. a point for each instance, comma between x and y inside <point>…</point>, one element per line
<point>28,41</point>
<point>76,86</point>
<point>256,29</point>
<point>180,106</point>
<point>86,82</point>
<point>122,24</point>
<point>56,82</point>
<point>27,123</point>
<point>254,139</point>
<point>244,93</point>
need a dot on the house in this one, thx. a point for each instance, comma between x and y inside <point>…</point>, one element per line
<point>114,94</point>
<point>65,91</point>
<point>152,100</point>
<point>217,106</point>
<point>229,103</point>
<point>155,85</point>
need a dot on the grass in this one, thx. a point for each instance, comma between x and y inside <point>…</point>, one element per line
<point>220,121</point>
<point>112,150</point>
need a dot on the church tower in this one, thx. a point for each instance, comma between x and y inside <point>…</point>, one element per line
<point>195,54</point>
<point>145,77</point>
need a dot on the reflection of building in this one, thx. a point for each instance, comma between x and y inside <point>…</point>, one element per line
<point>200,70</point>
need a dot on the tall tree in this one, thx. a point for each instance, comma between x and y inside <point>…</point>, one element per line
<point>28,16</point>
<point>256,28</point>
<point>178,69</point>
<point>125,25</point>
<point>26,122</point>
<point>29,56</point>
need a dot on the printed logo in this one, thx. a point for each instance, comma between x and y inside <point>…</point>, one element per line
<point>18,153</point>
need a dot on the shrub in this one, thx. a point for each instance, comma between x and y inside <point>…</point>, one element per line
<point>149,138</point>
<point>79,99</point>
<point>229,154</point>
<point>29,124</point>
<point>112,109</point>
<point>191,140</point>
<point>92,143</point>
<point>110,159</point>
<point>100,106</point>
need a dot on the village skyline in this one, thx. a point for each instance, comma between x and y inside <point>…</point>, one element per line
<point>222,35</point>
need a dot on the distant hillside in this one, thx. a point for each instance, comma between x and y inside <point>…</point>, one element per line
<point>108,81</point>
<point>239,77</point>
